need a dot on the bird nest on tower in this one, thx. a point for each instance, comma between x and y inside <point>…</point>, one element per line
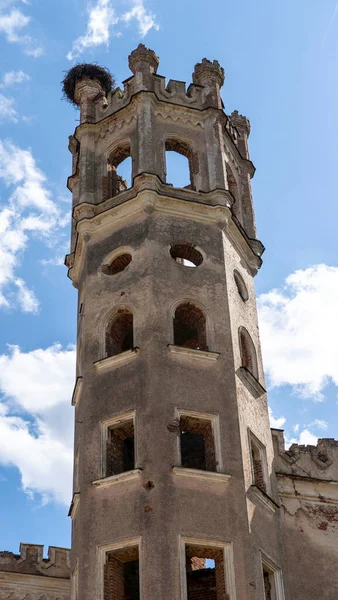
<point>85,71</point>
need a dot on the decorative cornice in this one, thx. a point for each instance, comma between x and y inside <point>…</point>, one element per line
<point>307,489</point>
<point>147,196</point>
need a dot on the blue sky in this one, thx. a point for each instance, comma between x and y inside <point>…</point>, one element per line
<point>281,63</point>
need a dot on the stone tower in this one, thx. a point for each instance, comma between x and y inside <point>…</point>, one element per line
<point>175,495</point>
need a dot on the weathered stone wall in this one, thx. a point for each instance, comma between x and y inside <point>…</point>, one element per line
<point>29,576</point>
<point>308,489</point>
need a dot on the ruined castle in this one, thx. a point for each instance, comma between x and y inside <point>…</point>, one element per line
<point>181,489</point>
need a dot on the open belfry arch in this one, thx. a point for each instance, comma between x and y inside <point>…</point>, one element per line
<point>179,492</point>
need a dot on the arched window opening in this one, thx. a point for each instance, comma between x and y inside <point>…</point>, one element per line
<point>181,164</point>
<point>119,334</point>
<point>190,327</point>
<point>241,287</point>
<point>248,352</point>
<point>117,265</point>
<point>119,176</point>
<point>186,254</point>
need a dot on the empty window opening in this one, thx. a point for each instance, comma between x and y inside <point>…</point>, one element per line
<point>119,172</point>
<point>248,352</point>
<point>205,573</point>
<point>258,463</point>
<point>121,575</point>
<point>180,164</point>
<point>119,334</point>
<point>120,449</point>
<point>117,265</point>
<point>190,327</point>
<point>197,444</point>
<point>186,254</point>
<point>267,585</point>
<point>241,287</point>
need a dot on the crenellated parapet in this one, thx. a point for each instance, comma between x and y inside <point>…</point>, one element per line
<point>315,462</point>
<point>30,561</point>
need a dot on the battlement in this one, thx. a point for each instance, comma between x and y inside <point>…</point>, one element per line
<point>30,561</point>
<point>203,92</point>
<point>315,462</point>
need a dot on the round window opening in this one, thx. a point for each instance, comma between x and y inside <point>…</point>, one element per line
<point>117,265</point>
<point>186,255</point>
<point>241,287</point>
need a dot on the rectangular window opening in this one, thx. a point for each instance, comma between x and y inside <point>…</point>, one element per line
<point>205,573</point>
<point>120,448</point>
<point>272,580</point>
<point>197,444</point>
<point>121,574</point>
<point>258,463</point>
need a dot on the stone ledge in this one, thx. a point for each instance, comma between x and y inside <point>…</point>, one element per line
<point>74,505</point>
<point>77,391</point>
<point>265,498</point>
<point>116,360</point>
<point>193,354</point>
<point>199,474</point>
<point>252,384</point>
<point>127,476</point>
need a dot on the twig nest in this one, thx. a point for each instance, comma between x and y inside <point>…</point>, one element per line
<point>86,71</point>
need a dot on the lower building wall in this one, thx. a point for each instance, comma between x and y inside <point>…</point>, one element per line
<point>19,586</point>
<point>310,533</point>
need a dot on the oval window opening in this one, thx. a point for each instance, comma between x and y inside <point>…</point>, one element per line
<point>117,265</point>
<point>186,255</point>
<point>241,287</point>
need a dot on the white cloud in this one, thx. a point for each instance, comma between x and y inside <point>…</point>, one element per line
<point>34,52</point>
<point>276,423</point>
<point>101,19</point>
<point>36,421</point>
<point>13,25</point>
<point>13,78</point>
<point>319,424</point>
<point>307,438</point>
<point>299,329</point>
<point>145,20</point>
<point>27,300</point>
<point>30,211</point>
<point>7,110</point>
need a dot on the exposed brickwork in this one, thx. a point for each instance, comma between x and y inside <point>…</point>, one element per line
<point>203,583</point>
<point>190,327</point>
<point>194,563</point>
<point>117,265</point>
<point>121,575</point>
<point>119,335</point>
